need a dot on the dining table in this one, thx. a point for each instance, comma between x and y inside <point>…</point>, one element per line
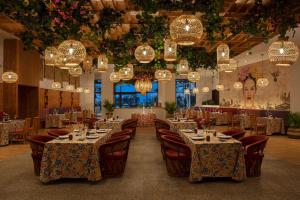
<point>181,123</point>
<point>74,156</point>
<point>273,124</point>
<point>218,156</point>
<point>9,126</point>
<point>114,124</point>
<point>55,120</point>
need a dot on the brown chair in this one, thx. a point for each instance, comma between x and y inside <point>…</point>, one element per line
<point>35,125</point>
<point>121,133</point>
<point>177,157</point>
<point>90,122</point>
<point>20,135</point>
<point>232,121</point>
<point>160,124</point>
<point>57,132</point>
<point>235,133</point>
<point>37,143</point>
<point>162,132</point>
<point>113,156</point>
<point>130,124</point>
<point>254,148</point>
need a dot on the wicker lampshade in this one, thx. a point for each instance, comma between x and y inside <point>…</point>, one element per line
<point>163,75</point>
<point>232,66</point>
<point>114,77</point>
<point>195,90</point>
<point>10,77</point>
<point>70,87</point>
<point>75,71</point>
<point>223,54</point>
<point>205,89</point>
<point>262,82</point>
<point>79,89</point>
<point>61,61</point>
<point>144,54</point>
<point>74,52</point>
<point>126,73</point>
<point>143,86</point>
<point>183,67</point>
<point>86,91</point>
<point>283,53</point>
<point>193,76</point>
<point>56,85</point>
<point>50,55</point>
<point>170,50</point>
<point>238,85</point>
<point>102,63</point>
<point>88,63</point>
<point>186,30</point>
<point>219,87</point>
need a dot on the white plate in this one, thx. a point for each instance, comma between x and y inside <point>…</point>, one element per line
<point>187,130</point>
<point>101,130</point>
<point>224,136</point>
<point>198,137</point>
<point>63,136</point>
<point>92,136</point>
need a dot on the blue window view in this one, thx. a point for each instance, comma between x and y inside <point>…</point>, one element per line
<point>98,96</point>
<point>183,100</point>
<point>125,96</point>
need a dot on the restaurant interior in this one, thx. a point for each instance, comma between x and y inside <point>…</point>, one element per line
<point>156,99</point>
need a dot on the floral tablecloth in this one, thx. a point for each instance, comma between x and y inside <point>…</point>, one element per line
<point>6,127</point>
<point>144,120</point>
<point>114,124</point>
<point>245,121</point>
<point>55,120</point>
<point>64,158</point>
<point>182,124</point>
<point>215,158</point>
<point>274,125</point>
<point>221,118</point>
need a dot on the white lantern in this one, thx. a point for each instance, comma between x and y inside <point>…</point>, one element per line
<point>10,77</point>
<point>223,54</point>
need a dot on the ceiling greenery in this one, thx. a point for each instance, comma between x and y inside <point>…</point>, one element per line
<point>49,22</point>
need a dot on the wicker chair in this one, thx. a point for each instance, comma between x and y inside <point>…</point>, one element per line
<point>20,135</point>
<point>254,147</point>
<point>130,124</point>
<point>177,157</point>
<point>160,124</point>
<point>232,121</point>
<point>162,132</point>
<point>35,125</point>
<point>57,132</point>
<point>113,156</point>
<point>122,133</point>
<point>235,133</point>
<point>37,143</point>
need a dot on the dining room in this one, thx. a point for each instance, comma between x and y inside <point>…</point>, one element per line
<point>160,99</point>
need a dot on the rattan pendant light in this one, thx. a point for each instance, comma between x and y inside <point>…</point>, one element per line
<point>55,84</point>
<point>283,53</point>
<point>195,90</point>
<point>87,91</point>
<point>126,73</point>
<point>163,75</point>
<point>183,67</point>
<point>69,86</point>
<point>170,50</point>
<point>205,89</point>
<point>51,56</point>
<point>223,54</point>
<point>231,67</point>
<point>262,81</point>
<point>144,54</point>
<point>194,76</point>
<point>75,71</point>
<point>220,87</point>
<point>74,52</point>
<point>10,77</point>
<point>88,63</point>
<point>238,85</point>
<point>143,86</point>
<point>102,63</point>
<point>114,77</point>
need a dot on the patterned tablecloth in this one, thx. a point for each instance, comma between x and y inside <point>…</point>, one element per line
<point>274,125</point>
<point>245,121</point>
<point>221,118</point>
<point>183,124</point>
<point>55,120</point>
<point>144,119</point>
<point>215,158</point>
<point>6,127</point>
<point>64,158</point>
<point>115,125</point>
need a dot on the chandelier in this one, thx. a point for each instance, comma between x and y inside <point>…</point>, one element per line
<point>143,86</point>
<point>223,54</point>
<point>183,67</point>
<point>70,87</point>
<point>86,91</point>
<point>262,82</point>
<point>193,76</point>
<point>50,55</point>
<point>79,89</point>
<point>126,73</point>
<point>232,66</point>
<point>163,75</point>
<point>170,50</point>
<point>73,51</point>
<point>238,85</point>
<point>220,87</point>
<point>205,89</point>
<point>75,71</point>
<point>186,30</point>
<point>102,63</point>
<point>195,90</point>
<point>114,77</point>
<point>88,63</point>
<point>10,77</point>
<point>283,53</point>
<point>56,85</point>
<point>144,54</point>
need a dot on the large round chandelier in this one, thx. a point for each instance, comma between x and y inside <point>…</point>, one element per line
<point>195,90</point>
<point>10,77</point>
<point>223,54</point>
<point>163,75</point>
<point>88,63</point>
<point>126,73</point>
<point>56,85</point>
<point>114,77</point>
<point>70,87</point>
<point>79,89</point>
<point>143,86</point>
<point>102,63</point>
<point>170,50</point>
<point>74,52</point>
<point>205,89</point>
<point>50,55</point>
<point>238,85</point>
<point>262,82</point>
<point>183,67</point>
<point>220,87</point>
<point>144,54</point>
<point>186,30</point>
<point>232,66</point>
<point>283,53</point>
<point>193,76</point>
<point>75,71</point>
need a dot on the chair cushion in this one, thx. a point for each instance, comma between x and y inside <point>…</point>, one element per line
<point>175,155</point>
<point>116,155</point>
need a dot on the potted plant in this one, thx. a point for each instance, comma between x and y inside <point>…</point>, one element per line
<point>294,125</point>
<point>109,108</point>
<point>170,107</point>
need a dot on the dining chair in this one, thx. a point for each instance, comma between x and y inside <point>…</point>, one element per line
<point>235,133</point>
<point>254,153</point>
<point>113,156</point>
<point>57,132</point>
<point>121,133</point>
<point>37,143</point>
<point>19,135</point>
<point>160,124</point>
<point>35,125</point>
<point>162,132</point>
<point>130,124</point>
<point>177,157</point>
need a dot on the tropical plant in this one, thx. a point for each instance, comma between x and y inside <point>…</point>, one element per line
<point>170,107</point>
<point>109,107</point>
<point>294,120</point>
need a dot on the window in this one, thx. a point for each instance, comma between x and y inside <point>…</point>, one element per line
<point>125,96</point>
<point>182,100</point>
<point>98,96</point>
